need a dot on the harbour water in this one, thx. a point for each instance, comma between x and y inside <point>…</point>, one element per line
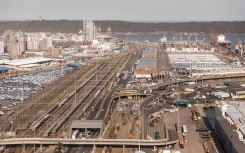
<point>233,39</point>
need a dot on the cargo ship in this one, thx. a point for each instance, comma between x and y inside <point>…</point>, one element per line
<point>223,41</point>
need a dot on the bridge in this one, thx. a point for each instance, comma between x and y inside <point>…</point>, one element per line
<point>67,142</point>
<point>231,76</point>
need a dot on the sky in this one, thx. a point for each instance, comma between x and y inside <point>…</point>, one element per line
<point>128,10</point>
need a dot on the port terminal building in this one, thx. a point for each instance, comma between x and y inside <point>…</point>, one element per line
<point>230,125</point>
<point>146,67</point>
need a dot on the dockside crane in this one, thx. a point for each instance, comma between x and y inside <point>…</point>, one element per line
<point>213,37</point>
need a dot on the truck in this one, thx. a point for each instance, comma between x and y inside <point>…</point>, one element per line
<point>189,89</point>
<point>184,129</point>
<point>190,83</point>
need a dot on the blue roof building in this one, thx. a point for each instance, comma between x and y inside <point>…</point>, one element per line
<point>147,63</point>
<point>4,69</point>
<point>74,64</point>
<point>184,102</point>
<point>149,53</point>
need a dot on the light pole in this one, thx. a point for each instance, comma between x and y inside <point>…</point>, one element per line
<point>178,114</point>
<point>22,99</point>
<point>75,89</point>
<point>138,131</point>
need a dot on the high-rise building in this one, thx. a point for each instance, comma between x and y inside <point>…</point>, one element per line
<point>1,47</point>
<point>9,36</point>
<point>22,44</point>
<point>46,43</point>
<point>89,30</point>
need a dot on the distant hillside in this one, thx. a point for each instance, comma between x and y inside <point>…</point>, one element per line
<point>73,26</point>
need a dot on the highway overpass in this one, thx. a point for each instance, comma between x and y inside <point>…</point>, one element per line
<point>231,76</point>
<point>101,142</point>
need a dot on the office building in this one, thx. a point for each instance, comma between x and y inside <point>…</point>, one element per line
<point>1,47</point>
<point>89,30</point>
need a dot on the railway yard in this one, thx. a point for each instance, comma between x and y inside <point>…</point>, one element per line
<point>106,107</point>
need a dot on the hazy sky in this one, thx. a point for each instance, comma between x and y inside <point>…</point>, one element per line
<point>132,10</point>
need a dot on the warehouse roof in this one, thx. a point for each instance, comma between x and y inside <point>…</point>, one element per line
<point>26,61</point>
<point>4,69</point>
<point>235,111</point>
<point>147,62</point>
<point>182,101</point>
<point>91,124</point>
<point>150,51</point>
<point>74,64</point>
<point>29,65</point>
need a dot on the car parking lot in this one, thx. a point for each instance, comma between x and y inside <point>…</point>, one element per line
<point>21,87</point>
<point>17,88</point>
<point>200,62</point>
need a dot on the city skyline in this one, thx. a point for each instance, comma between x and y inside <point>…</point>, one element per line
<point>139,11</point>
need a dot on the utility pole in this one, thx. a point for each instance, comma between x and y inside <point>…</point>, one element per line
<point>96,72</point>
<point>62,67</point>
<point>22,99</point>
<point>178,115</point>
<point>75,89</point>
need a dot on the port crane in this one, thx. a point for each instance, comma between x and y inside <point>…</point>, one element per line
<point>213,37</point>
<point>177,36</point>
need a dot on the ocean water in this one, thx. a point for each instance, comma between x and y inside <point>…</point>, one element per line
<point>155,38</point>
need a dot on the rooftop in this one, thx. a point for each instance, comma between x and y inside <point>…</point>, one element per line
<point>147,62</point>
<point>87,124</point>
<point>26,61</point>
<point>235,111</point>
<point>150,51</point>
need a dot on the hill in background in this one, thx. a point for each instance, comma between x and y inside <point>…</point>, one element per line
<point>73,26</point>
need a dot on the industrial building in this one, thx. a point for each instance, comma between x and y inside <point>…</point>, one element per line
<point>27,64</point>
<point>145,68</point>
<point>230,125</point>
<point>182,102</point>
<point>149,53</point>
<point>85,125</point>
<point>4,69</point>
<point>147,64</point>
<point>74,64</point>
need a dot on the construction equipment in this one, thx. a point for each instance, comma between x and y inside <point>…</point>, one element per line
<point>194,117</point>
<point>130,136</point>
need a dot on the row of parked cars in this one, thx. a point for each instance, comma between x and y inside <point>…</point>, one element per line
<point>21,87</point>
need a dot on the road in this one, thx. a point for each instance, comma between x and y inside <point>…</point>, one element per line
<point>156,87</point>
<point>116,142</point>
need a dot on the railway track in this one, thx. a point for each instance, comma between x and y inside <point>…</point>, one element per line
<point>87,92</point>
<point>55,112</point>
<point>93,95</point>
<point>46,96</point>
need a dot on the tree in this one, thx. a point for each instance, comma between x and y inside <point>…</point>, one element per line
<point>59,148</point>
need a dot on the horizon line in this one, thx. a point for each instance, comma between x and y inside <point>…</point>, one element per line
<point>139,21</point>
